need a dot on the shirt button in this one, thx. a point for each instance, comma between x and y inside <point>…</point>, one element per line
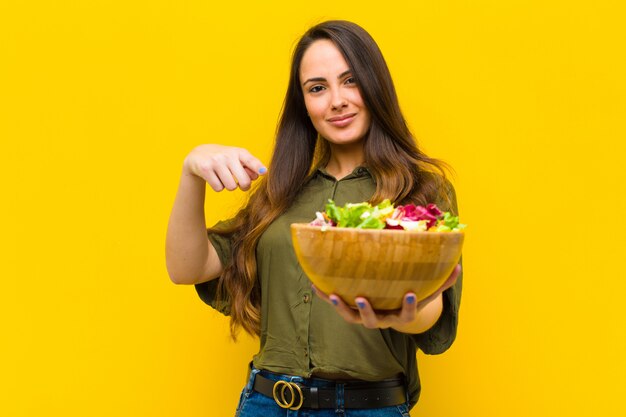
<point>306,353</point>
<point>306,298</point>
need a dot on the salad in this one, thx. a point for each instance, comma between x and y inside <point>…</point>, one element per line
<point>386,216</point>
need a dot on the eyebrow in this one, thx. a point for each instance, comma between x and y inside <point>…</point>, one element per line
<point>317,79</point>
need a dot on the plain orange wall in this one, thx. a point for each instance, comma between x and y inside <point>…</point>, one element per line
<point>101,101</point>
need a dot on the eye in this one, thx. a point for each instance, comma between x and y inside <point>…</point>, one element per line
<point>316,89</point>
<point>350,80</point>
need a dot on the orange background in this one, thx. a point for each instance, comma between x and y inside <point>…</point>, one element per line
<point>101,101</point>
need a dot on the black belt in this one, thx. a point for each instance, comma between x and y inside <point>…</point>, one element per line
<point>295,395</point>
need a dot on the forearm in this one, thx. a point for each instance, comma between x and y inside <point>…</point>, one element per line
<point>426,317</point>
<point>187,247</point>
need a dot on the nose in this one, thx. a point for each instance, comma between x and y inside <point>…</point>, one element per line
<point>338,101</point>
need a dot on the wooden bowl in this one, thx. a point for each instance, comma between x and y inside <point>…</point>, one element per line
<point>380,265</point>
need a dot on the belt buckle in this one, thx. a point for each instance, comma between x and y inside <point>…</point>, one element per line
<point>279,396</point>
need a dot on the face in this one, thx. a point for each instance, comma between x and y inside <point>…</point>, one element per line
<point>331,95</point>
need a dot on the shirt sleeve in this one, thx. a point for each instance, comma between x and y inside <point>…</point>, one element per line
<point>207,291</point>
<point>440,337</point>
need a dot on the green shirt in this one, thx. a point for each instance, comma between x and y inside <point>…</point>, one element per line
<point>300,333</point>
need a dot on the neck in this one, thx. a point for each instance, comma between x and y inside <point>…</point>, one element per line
<point>343,159</point>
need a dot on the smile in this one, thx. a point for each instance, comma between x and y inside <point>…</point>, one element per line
<point>343,120</point>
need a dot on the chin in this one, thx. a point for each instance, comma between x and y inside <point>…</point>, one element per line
<point>345,139</point>
<point>345,142</point>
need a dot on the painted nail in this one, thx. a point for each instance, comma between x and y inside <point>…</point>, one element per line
<point>262,170</point>
<point>334,301</point>
<point>361,304</point>
<point>410,299</point>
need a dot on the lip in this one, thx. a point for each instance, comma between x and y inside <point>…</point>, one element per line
<point>342,120</point>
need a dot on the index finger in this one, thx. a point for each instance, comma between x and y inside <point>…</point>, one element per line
<point>369,318</point>
<point>251,162</point>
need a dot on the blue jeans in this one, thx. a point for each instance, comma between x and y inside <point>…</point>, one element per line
<point>254,404</point>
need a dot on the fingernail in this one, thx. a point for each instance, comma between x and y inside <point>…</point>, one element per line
<point>262,170</point>
<point>410,299</point>
<point>334,301</point>
<point>361,304</point>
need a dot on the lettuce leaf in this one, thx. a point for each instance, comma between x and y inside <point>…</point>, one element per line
<point>360,215</point>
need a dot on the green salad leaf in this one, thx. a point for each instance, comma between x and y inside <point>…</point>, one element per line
<point>359,215</point>
<point>449,223</point>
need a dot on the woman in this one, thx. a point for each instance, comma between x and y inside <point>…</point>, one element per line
<point>342,136</point>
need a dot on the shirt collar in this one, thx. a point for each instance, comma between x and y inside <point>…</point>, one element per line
<point>358,172</point>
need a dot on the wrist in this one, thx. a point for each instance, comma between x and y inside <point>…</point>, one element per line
<point>188,174</point>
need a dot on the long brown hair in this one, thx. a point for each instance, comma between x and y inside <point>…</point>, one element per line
<point>401,171</point>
